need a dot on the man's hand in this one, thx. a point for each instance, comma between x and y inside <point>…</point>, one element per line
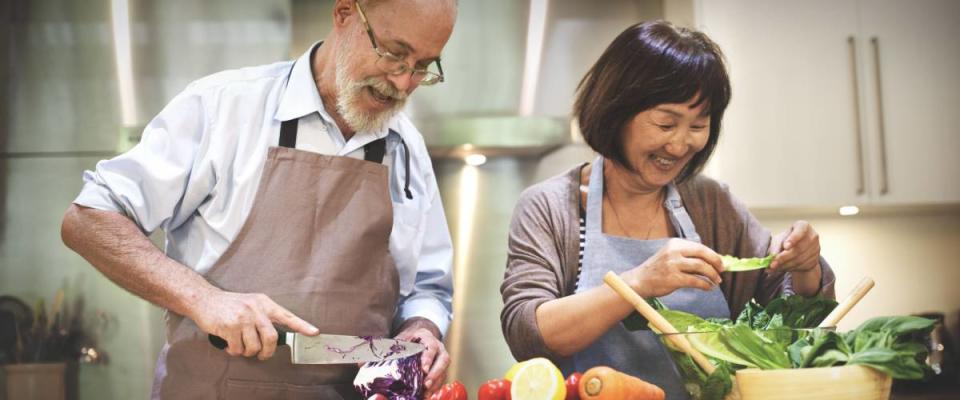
<point>434,358</point>
<point>245,321</point>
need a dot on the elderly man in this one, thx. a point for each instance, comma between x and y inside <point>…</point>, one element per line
<point>292,194</point>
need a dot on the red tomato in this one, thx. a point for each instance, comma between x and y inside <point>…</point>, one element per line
<point>572,382</point>
<point>494,389</point>
<point>443,393</point>
<point>450,391</point>
<point>457,391</point>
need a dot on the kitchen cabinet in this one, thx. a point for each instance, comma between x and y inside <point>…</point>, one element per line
<point>839,101</point>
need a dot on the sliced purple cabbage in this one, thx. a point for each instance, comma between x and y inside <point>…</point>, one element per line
<point>399,379</point>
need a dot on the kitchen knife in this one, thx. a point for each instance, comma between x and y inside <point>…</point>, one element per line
<point>338,349</point>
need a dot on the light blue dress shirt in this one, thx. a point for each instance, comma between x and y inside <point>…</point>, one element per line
<point>195,174</point>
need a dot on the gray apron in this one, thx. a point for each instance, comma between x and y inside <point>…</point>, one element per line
<point>638,353</point>
<point>316,242</point>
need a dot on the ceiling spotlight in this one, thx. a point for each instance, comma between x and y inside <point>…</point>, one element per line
<point>475,159</point>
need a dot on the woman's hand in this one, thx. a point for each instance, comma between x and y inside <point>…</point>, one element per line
<point>797,249</point>
<point>798,252</point>
<point>680,263</point>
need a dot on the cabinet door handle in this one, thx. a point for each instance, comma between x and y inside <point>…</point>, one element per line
<point>852,42</point>
<point>881,128</point>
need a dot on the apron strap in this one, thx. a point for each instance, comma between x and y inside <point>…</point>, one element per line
<point>672,202</point>
<point>375,150</point>
<point>594,207</point>
<point>288,133</point>
<point>679,215</point>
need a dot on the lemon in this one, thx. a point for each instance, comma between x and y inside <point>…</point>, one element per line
<point>536,379</point>
<point>513,371</point>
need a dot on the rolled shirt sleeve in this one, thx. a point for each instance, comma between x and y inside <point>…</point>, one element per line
<point>149,184</point>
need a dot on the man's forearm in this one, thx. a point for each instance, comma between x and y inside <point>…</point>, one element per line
<point>118,249</point>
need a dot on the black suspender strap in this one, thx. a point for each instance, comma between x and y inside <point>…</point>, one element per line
<point>288,133</point>
<point>375,150</point>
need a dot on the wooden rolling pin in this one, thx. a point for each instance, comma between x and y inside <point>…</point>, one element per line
<point>618,285</point>
<point>852,299</point>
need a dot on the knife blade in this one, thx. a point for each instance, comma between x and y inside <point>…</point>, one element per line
<point>338,349</point>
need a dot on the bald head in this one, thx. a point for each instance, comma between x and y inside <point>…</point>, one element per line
<point>374,3</point>
<point>438,11</point>
<point>418,25</point>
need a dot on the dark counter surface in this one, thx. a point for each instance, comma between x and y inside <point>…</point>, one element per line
<point>925,391</point>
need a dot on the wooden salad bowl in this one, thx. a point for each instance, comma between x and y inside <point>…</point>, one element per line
<point>844,382</point>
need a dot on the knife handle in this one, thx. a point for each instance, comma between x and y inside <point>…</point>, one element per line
<point>221,344</point>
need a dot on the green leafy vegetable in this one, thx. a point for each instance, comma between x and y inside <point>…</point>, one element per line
<point>793,311</point>
<point>710,344</point>
<point>683,321</point>
<point>768,338</point>
<point>719,383</point>
<point>701,386</point>
<point>892,345</point>
<point>734,264</point>
<point>823,348</point>
<point>636,322</point>
<point>757,349</point>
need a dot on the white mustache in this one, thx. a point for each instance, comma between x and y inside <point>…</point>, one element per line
<point>384,88</point>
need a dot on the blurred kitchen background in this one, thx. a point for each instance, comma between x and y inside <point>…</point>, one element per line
<point>843,114</point>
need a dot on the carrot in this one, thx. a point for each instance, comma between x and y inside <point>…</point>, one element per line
<point>605,383</point>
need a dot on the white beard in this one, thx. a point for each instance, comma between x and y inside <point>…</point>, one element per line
<point>349,97</point>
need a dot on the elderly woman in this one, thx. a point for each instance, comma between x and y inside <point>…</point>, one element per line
<point>651,107</point>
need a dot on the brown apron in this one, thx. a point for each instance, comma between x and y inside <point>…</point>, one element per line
<point>316,242</point>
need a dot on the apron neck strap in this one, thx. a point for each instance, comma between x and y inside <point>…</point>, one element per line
<point>595,196</point>
<point>678,214</point>
<point>288,133</point>
<point>672,202</point>
<point>373,151</point>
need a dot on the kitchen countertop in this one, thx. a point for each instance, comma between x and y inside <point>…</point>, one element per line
<point>925,391</point>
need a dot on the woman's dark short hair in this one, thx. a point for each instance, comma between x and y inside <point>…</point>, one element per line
<point>647,65</point>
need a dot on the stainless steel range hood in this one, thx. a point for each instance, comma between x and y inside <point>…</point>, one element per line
<point>458,137</point>
<point>512,68</point>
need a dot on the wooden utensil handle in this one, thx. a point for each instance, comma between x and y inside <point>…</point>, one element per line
<point>618,285</point>
<point>851,300</point>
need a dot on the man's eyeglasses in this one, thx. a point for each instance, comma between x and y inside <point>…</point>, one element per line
<point>394,65</point>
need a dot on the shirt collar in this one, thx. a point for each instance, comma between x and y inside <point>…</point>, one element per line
<point>300,97</point>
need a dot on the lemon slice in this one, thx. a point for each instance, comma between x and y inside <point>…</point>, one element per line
<point>537,379</point>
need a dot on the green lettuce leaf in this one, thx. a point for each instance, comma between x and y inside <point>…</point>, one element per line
<point>711,345</point>
<point>755,348</point>
<point>719,383</point>
<point>734,264</point>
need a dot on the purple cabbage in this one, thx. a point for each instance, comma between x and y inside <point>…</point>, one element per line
<point>399,379</point>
